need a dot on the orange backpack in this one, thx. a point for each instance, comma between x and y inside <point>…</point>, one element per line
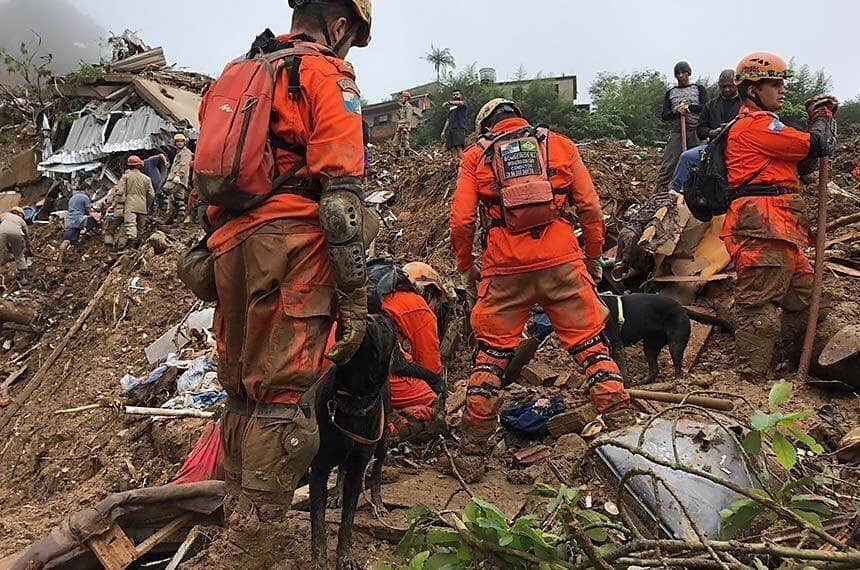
<point>234,161</point>
<point>520,162</point>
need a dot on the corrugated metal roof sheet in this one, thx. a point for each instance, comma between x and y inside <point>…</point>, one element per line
<point>83,143</point>
<point>133,131</point>
<point>144,129</point>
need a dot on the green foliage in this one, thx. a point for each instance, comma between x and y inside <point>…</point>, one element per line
<point>85,73</point>
<point>849,118</point>
<point>630,102</point>
<point>805,84</point>
<point>432,544</point>
<point>778,433</point>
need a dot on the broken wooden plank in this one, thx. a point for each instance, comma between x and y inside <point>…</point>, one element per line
<point>113,548</point>
<point>533,454</point>
<point>846,237</point>
<point>186,545</point>
<point>692,278</point>
<point>457,397</point>
<point>842,269</point>
<point>163,534</point>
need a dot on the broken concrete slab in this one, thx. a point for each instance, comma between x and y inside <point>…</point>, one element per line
<point>538,374</point>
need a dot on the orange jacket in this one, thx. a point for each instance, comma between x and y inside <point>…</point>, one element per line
<point>762,150</point>
<point>506,253</point>
<point>417,327</point>
<point>325,120</point>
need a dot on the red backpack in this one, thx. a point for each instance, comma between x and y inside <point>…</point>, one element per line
<point>234,161</point>
<point>520,162</point>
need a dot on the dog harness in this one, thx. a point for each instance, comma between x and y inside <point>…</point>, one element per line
<point>619,304</point>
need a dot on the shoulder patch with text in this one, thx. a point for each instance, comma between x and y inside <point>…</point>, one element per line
<point>351,95</point>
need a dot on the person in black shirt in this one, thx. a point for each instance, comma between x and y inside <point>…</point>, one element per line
<point>722,109</point>
<point>685,99</point>
<point>455,125</point>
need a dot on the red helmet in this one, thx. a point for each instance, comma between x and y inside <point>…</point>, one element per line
<point>134,160</point>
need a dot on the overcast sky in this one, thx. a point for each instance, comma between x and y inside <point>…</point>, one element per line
<point>549,36</point>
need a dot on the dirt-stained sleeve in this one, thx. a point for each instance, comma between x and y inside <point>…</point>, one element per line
<point>464,212</point>
<point>587,204</point>
<point>773,138</point>
<point>335,143</point>
<point>418,325</point>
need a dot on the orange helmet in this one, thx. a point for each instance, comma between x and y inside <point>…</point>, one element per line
<point>362,10</point>
<point>422,274</point>
<point>134,160</point>
<point>762,65</point>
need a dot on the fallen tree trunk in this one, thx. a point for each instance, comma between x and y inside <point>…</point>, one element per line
<point>14,313</point>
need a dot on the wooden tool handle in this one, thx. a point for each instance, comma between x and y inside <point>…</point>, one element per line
<point>670,398</point>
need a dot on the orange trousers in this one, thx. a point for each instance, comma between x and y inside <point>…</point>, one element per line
<point>568,295</point>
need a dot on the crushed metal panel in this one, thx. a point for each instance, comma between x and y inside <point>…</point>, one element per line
<point>133,132</point>
<point>702,498</point>
<point>69,168</point>
<point>152,59</point>
<point>170,102</point>
<point>83,144</point>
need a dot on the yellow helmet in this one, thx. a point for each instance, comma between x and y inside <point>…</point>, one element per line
<point>179,137</point>
<point>762,65</point>
<point>18,210</point>
<point>489,108</point>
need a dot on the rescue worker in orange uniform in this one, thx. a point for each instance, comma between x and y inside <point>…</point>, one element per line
<point>284,267</point>
<point>417,402</point>
<point>767,228</point>
<point>539,266</point>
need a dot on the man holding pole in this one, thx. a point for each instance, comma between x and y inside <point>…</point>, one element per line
<point>681,107</point>
<point>766,227</point>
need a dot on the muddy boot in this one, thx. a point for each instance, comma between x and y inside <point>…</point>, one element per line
<point>756,333</point>
<point>251,530</point>
<point>619,419</point>
<point>522,356</point>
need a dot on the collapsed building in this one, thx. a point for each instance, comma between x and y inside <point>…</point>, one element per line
<point>134,103</point>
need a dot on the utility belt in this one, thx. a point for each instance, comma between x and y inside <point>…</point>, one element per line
<point>760,190</point>
<point>310,188</point>
<point>250,408</point>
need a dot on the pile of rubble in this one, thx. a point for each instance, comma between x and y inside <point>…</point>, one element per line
<point>91,119</point>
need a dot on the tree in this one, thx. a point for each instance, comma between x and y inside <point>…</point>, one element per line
<point>849,117</point>
<point>805,84</point>
<point>32,67</point>
<point>633,101</point>
<point>441,59</point>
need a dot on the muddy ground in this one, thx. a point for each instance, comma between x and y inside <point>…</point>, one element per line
<point>51,465</point>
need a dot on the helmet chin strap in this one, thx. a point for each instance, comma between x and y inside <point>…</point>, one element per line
<point>323,25</point>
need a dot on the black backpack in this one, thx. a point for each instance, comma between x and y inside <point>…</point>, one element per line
<point>384,276</point>
<point>707,192</point>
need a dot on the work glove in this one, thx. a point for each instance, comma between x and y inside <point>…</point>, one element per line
<point>470,276</point>
<point>595,269</point>
<point>817,104</point>
<point>352,323</point>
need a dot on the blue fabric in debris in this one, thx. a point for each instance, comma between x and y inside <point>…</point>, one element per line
<point>530,419</point>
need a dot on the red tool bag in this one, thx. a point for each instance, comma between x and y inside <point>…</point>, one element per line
<point>520,162</point>
<point>234,163</point>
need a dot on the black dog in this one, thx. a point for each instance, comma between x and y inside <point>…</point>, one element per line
<point>352,405</point>
<point>656,321</point>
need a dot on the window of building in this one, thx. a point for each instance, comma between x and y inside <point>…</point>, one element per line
<point>380,119</point>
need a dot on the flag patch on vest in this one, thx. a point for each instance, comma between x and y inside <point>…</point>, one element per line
<point>776,126</point>
<point>352,102</point>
